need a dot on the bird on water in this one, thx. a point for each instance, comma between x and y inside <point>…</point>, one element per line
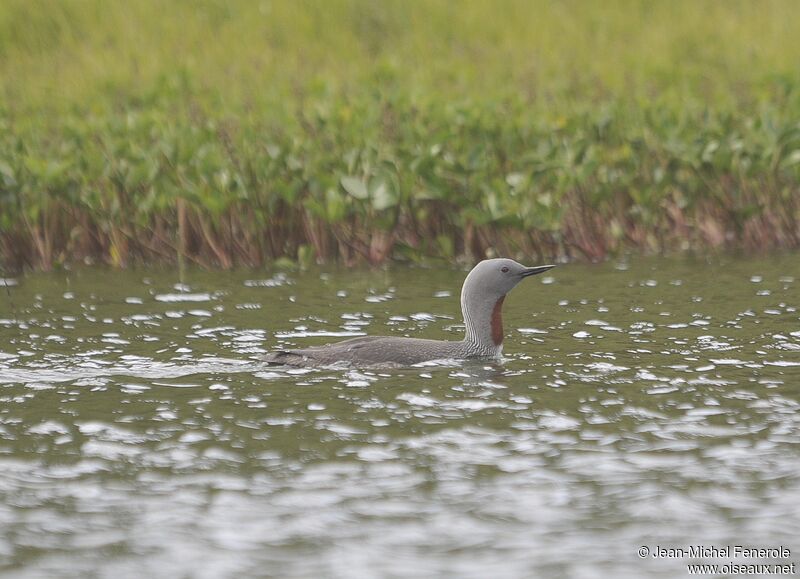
<point>482,295</point>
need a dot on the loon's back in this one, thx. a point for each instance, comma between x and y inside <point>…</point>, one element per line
<point>372,351</point>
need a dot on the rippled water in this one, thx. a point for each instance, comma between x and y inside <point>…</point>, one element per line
<point>645,403</point>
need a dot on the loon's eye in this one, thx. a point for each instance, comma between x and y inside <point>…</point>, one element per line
<point>504,269</point>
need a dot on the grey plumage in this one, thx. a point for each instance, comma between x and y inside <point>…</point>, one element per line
<point>482,296</point>
<point>371,350</point>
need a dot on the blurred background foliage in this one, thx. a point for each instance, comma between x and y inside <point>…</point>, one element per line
<point>241,132</point>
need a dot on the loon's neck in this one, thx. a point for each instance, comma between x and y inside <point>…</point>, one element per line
<point>483,320</point>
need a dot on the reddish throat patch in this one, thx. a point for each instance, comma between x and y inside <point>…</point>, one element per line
<point>497,322</point>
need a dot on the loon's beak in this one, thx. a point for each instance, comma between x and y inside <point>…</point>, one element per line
<point>536,270</point>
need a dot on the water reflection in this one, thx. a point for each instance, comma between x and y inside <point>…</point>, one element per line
<point>651,402</point>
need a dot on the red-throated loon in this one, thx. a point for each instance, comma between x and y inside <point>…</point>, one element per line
<point>482,297</point>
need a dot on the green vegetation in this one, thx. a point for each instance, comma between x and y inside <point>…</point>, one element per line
<point>241,132</point>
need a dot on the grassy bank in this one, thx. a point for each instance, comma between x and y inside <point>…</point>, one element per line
<point>241,132</point>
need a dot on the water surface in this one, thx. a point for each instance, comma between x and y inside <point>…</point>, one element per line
<point>645,403</point>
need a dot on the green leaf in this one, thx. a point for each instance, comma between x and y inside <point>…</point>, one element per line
<point>355,187</point>
<point>792,158</point>
<point>383,196</point>
<point>335,207</point>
